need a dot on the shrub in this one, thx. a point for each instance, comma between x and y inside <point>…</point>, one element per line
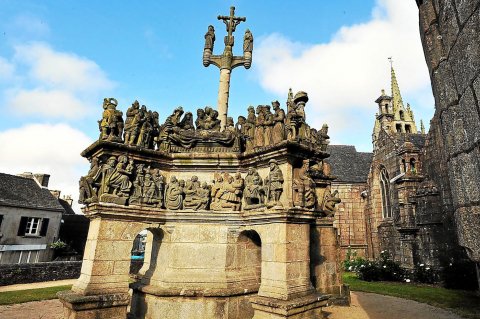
<point>58,245</point>
<point>352,262</point>
<point>424,274</point>
<point>383,269</point>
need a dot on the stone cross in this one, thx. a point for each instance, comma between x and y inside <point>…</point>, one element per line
<point>227,61</point>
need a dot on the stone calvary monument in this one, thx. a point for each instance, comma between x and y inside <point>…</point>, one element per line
<point>239,214</point>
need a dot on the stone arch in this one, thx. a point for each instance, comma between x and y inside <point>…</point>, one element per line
<point>244,260</point>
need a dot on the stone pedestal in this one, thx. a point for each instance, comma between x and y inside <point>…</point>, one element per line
<point>106,306</point>
<point>299,308</point>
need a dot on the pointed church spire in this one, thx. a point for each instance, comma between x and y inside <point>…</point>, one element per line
<point>397,97</point>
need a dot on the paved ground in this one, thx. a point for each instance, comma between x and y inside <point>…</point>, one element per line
<point>38,285</point>
<point>364,306</point>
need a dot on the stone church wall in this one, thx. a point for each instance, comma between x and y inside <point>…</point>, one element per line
<point>350,218</point>
<point>449,31</point>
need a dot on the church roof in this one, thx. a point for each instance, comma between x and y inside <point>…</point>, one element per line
<point>348,164</point>
<point>416,139</point>
<point>24,192</point>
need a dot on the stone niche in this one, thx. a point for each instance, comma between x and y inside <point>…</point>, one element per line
<point>232,233</point>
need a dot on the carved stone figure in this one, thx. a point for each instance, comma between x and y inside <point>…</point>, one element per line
<point>250,129</point>
<point>304,188</point>
<point>88,191</point>
<point>187,122</point>
<point>114,181</point>
<point>146,128</point>
<point>194,197</point>
<point>130,123</point>
<point>227,192</point>
<point>174,195</point>
<point>296,117</point>
<point>159,181</point>
<point>259,127</point>
<point>254,194</point>
<point>274,184</point>
<point>210,38</point>
<point>111,125</point>
<point>329,202</point>
<point>200,121</point>
<point>248,41</point>
<point>138,184</point>
<point>278,132</point>
<point>230,126</point>
<point>267,126</point>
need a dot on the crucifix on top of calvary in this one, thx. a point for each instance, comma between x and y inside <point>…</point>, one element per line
<point>227,61</point>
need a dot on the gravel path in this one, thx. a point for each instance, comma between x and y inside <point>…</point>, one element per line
<point>364,306</point>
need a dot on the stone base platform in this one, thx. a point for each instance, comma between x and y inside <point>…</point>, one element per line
<point>308,307</point>
<point>149,306</point>
<point>108,306</point>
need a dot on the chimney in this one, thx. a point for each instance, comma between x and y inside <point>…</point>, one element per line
<point>68,199</point>
<point>42,179</point>
<point>55,193</point>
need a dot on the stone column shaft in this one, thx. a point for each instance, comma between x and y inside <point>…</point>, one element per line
<point>223,94</point>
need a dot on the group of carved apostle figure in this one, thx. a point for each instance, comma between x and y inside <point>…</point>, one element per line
<point>260,128</point>
<point>121,181</point>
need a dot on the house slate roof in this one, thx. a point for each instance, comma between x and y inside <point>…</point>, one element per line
<point>348,164</point>
<point>24,192</point>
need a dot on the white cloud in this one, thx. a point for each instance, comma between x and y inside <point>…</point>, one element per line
<point>44,148</point>
<point>52,84</point>
<point>344,76</point>
<point>62,70</point>
<point>49,103</point>
<point>7,69</point>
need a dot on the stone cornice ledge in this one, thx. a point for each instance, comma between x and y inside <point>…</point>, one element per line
<point>162,216</point>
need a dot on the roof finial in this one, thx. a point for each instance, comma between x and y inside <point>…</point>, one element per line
<point>422,127</point>
<point>391,61</point>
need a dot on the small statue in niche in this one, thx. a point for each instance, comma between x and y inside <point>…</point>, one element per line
<point>274,184</point>
<point>329,202</point>
<point>111,125</point>
<point>278,132</point>
<point>210,38</point>
<point>247,42</point>
<point>304,188</point>
<point>174,195</point>
<point>254,193</point>
<point>88,191</point>
<point>268,126</point>
<point>259,127</point>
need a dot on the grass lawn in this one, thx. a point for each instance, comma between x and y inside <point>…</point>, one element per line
<point>19,296</point>
<point>464,303</point>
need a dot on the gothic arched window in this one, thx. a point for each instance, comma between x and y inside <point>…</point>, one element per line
<point>385,191</point>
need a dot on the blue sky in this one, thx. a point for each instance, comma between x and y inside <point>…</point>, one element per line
<point>59,59</point>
